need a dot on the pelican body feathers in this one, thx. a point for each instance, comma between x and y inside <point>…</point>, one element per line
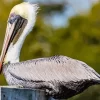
<point>60,76</point>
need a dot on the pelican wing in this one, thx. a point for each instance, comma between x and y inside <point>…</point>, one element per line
<point>54,68</point>
<point>60,76</point>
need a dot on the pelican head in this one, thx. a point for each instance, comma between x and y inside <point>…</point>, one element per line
<point>20,22</point>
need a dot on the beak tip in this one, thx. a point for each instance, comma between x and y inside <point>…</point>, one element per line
<point>0,67</point>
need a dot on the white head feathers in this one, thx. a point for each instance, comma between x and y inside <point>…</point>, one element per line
<point>27,11</point>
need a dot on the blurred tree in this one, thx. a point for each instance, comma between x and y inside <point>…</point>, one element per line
<point>76,40</point>
<point>79,40</point>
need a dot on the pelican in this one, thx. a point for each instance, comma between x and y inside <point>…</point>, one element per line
<point>59,76</point>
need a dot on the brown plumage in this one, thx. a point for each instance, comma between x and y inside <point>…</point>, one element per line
<point>60,76</point>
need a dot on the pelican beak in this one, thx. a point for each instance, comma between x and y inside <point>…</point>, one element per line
<point>14,26</point>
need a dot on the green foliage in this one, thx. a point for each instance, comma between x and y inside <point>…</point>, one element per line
<point>80,40</point>
<point>77,40</point>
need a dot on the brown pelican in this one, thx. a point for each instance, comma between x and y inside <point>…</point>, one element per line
<point>59,76</point>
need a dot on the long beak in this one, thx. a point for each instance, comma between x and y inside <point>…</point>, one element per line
<point>13,27</point>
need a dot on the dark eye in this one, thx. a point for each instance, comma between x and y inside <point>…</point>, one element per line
<point>13,18</point>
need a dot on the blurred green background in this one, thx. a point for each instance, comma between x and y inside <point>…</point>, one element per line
<point>78,37</point>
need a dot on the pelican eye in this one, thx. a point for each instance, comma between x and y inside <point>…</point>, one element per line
<point>13,17</point>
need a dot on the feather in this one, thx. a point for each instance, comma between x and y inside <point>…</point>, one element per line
<point>57,75</point>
